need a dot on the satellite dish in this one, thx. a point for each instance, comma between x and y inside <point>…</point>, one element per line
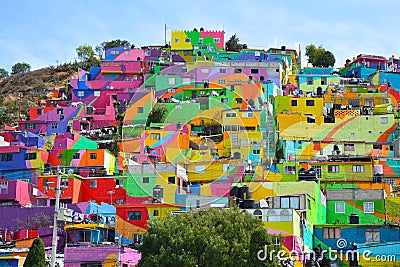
<point>70,171</point>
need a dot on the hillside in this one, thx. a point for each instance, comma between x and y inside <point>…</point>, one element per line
<point>30,87</point>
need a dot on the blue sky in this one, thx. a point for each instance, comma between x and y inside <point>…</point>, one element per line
<point>43,33</point>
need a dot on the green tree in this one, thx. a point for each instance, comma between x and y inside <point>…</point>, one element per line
<point>20,67</point>
<point>319,57</point>
<point>85,52</point>
<point>212,237</point>
<point>261,240</point>
<point>157,114</point>
<point>3,73</point>
<point>5,117</point>
<point>36,255</point>
<point>233,44</point>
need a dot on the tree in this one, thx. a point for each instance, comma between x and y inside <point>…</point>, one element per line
<point>85,52</point>
<point>5,117</point>
<point>233,44</point>
<point>259,238</point>
<point>36,255</point>
<point>319,57</point>
<point>212,237</point>
<point>20,67</point>
<point>3,73</point>
<point>157,114</point>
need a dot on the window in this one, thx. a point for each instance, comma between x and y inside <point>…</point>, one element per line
<point>30,156</point>
<point>310,103</point>
<point>106,64</point>
<point>134,215</point>
<point>221,81</point>
<point>126,78</point>
<point>176,40</point>
<point>230,115</point>
<point>186,53</point>
<point>119,182</point>
<point>81,93</point>
<point>7,157</point>
<point>60,111</point>
<point>114,52</point>
<point>76,156</point>
<point>290,203</point>
<point>85,236</point>
<point>257,214</point>
<point>217,40</point>
<point>171,80</point>
<point>30,126</point>
<point>339,207</point>
<point>205,70</point>
<point>54,125</point>
<point>146,180</point>
<point>256,151</point>
<point>289,170</point>
<point>294,103</point>
<point>368,207</point>
<point>384,120</point>
<point>91,264</point>
<point>318,171</point>
<point>238,70</point>
<point>137,238</point>
<point>372,235</point>
<point>4,187</point>
<point>358,168</point>
<point>200,40</point>
<point>171,180</point>
<point>93,184</point>
<point>308,204</point>
<point>188,40</point>
<point>331,232</point>
<point>254,71</point>
<point>348,147</point>
<point>369,102</point>
<point>390,181</point>
<point>45,181</point>
<point>64,182</point>
<point>234,138</point>
<point>93,155</point>
<point>333,168</point>
<point>155,136</point>
<point>224,100</point>
<point>222,70</point>
<point>323,81</point>
<point>96,93</point>
<point>385,101</point>
<point>140,110</point>
<point>200,169</point>
<point>155,212</point>
<point>116,64</point>
<point>239,100</point>
<point>147,53</point>
<point>310,81</point>
<point>42,203</point>
<point>127,52</point>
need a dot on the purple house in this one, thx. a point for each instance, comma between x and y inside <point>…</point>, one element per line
<point>105,255</point>
<point>17,193</point>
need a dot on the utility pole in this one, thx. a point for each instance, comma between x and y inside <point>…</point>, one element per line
<point>165,33</point>
<point>55,230</point>
<point>119,251</point>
